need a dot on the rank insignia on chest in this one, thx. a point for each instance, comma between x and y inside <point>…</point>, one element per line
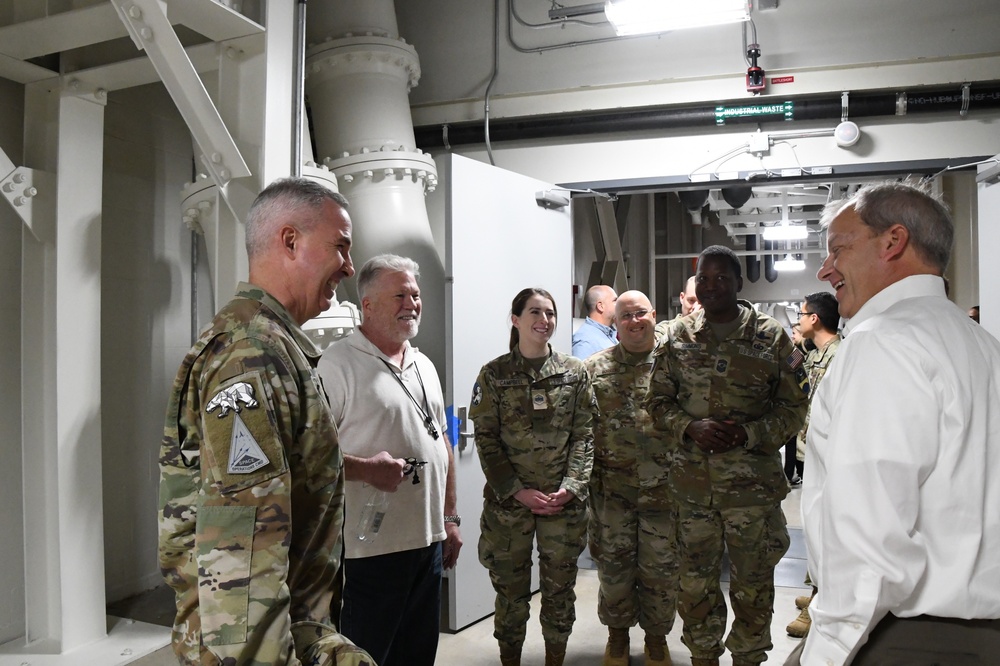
<point>538,400</point>
<point>721,365</point>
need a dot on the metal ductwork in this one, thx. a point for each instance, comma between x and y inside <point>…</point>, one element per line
<point>358,76</point>
<point>961,99</point>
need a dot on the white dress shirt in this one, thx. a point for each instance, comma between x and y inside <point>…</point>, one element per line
<point>901,502</point>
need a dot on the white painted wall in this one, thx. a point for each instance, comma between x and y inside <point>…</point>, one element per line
<point>11,521</point>
<point>145,319</point>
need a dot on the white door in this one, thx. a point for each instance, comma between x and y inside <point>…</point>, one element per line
<point>499,240</point>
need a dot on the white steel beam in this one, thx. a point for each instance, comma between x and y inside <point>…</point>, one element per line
<point>213,19</point>
<point>99,23</point>
<point>151,31</point>
<point>60,378</point>
<point>23,72</point>
<point>61,32</point>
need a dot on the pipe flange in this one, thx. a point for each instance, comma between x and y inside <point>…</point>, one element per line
<point>964,111</point>
<point>901,104</point>
<point>364,54</point>
<point>398,165</point>
<point>320,173</point>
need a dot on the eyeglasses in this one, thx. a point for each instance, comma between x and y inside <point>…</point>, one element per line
<point>799,313</point>
<point>638,314</point>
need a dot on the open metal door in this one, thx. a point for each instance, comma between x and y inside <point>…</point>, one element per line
<point>499,240</point>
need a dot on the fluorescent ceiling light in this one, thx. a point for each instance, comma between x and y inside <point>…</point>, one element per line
<point>636,17</point>
<point>789,263</point>
<point>785,232</point>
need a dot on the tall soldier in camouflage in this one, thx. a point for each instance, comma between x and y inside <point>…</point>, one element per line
<point>251,474</point>
<point>533,410</point>
<point>632,516</point>
<point>728,389</point>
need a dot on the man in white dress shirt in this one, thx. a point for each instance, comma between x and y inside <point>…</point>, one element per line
<point>902,501</point>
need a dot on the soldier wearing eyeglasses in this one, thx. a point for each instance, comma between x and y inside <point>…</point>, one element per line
<point>632,516</point>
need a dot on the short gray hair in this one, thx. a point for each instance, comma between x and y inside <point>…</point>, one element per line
<point>278,201</point>
<point>384,263</point>
<point>881,205</point>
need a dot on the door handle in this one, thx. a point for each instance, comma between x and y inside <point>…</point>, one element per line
<point>464,434</point>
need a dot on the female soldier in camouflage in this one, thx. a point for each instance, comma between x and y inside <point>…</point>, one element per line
<point>533,411</point>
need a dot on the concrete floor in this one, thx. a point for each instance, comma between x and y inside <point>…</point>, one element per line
<point>475,645</point>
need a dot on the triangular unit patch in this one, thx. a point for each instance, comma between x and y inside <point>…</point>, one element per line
<point>245,454</point>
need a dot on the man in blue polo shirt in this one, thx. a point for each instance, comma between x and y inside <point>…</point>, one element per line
<point>596,332</point>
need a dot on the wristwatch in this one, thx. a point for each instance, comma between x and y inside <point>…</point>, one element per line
<point>454,519</point>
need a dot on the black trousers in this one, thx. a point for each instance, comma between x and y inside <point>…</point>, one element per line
<point>926,640</point>
<point>792,466</point>
<point>392,605</point>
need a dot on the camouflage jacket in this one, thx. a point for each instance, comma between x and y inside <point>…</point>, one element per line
<point>534,429</point>
<point>754,378</point>
<point>627,450</point>
<point>249,451</point>
<point>817,363</point>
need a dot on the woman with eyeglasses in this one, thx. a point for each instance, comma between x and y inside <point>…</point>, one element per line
<point>533,412</point>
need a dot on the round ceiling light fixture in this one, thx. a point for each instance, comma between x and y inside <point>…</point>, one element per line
<point>847,134</point>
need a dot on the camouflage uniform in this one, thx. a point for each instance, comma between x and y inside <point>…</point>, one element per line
<point>533,430</point>
<point>249,450</point>
<point>817,363</point>
<point>730,499</point>
<point>632,516</point>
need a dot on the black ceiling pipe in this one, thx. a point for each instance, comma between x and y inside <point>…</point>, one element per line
<point>753,261</point>
<point>770,272</point>
<point>737,195</point>
<point>693,200</point>
<point>982,95</point>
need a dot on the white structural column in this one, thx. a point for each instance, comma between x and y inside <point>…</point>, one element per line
<point>358,76</point>
<point>61,376</point>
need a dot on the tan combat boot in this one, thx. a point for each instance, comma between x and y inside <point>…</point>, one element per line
<point>695,661</point>
<point>616,652</point>
<point>510,656</point>
<point>657,653</point>
<point>802,602</point>
<point>554,654</point>
<point>799,627</point>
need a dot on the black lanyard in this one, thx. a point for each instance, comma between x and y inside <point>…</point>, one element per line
<point>425,411</point>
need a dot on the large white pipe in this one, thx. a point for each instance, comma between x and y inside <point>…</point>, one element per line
<point>358,76</point>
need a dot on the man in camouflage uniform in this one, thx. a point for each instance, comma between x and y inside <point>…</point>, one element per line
<point>819,320</point>
<point>689,303</point>
<point>632,516</point>
<point>251,482</point>
<point>728,389</point>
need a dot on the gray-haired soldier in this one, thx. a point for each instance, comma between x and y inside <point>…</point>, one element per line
<point>249,443</point>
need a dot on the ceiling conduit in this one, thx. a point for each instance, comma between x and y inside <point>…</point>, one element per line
<point>359,73</point>
<point>979,96</point>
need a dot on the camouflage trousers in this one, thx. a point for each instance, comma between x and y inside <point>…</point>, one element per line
<point>756,538</point>
<point>505,545</point>
<point>315,645</point>
<point>632,540</point>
